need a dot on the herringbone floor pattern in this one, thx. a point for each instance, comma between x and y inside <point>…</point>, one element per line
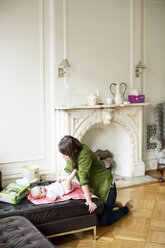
<point>143,227</point>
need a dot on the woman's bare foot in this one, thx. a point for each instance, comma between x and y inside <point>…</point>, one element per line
<point>129,204</point>
<point>118,204</point>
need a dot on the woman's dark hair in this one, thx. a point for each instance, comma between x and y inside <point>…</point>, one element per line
<point>71,147</point>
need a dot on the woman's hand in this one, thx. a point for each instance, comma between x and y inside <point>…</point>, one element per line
<point>89,202</point>
<point>92,206</point>
<point>62,178</point>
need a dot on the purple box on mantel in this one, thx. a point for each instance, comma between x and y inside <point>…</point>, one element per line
<point>136,99</point>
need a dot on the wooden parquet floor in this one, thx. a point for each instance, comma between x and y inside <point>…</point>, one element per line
<point>143,227</point>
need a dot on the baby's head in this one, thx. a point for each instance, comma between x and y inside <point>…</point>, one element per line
<point>38,192</point>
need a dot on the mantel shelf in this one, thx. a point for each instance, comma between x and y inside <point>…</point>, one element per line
<point>70,107</point>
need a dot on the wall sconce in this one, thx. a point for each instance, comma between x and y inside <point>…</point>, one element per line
<point>139,68</point>
<point>62,67</point>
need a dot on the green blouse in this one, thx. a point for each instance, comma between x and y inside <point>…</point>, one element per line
<point>91,172</point>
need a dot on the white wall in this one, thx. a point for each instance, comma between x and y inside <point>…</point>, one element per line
<point>105,40</point>
<point>98,47</point>
<point>22,94</point>
<point>26,94</point>
<point>154,57</point>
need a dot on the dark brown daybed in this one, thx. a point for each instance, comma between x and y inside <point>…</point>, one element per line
<point>57,218</point>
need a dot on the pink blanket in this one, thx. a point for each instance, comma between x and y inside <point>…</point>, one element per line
<point>77,193</point>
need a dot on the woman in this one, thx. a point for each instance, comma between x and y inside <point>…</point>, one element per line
<point>93,177</point>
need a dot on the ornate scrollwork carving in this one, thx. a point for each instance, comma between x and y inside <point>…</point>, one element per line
<point>99,116</point>
<point>106,117</point>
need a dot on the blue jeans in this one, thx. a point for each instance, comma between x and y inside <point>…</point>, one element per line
<point>109,216</point>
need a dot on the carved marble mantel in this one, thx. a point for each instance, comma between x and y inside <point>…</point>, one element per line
<point>77,120</point>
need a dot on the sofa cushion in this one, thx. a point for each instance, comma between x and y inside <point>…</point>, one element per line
<point>17,231</point>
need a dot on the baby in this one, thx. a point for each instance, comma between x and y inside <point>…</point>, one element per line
<point>62,186</point>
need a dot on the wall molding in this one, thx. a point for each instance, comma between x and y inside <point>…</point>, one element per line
<point>42,102</point>
<point>131,44</point>
<point>155,1</point>
<point>40,156</point>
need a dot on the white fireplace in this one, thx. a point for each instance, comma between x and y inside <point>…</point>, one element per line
<point>122,135</point>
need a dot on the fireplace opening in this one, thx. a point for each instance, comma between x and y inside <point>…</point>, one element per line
<point>114,138</point>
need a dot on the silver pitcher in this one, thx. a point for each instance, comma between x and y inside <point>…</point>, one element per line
<point>116,90</point>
